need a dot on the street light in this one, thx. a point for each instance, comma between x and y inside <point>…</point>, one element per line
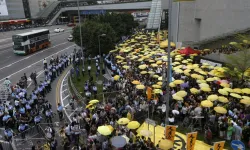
<point>79,19</point>
<point>102,35</point>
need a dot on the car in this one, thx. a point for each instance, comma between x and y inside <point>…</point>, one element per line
<point>57,30</point>
<point>71,24</point>
<point>70,38</point>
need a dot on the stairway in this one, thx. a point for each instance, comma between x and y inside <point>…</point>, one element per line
<point>154,18</point>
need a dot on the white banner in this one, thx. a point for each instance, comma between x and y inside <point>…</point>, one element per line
<point>3,8</point>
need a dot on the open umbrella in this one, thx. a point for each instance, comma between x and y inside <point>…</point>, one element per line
<point>176,97</point>
<point>123,121</point>
<point>225,85</point>
<point>210,79</point>
<point>245,101</point>
<point>143,66</point>
<point>172,84</point>
<point>146,133</point>
<point>212,97</point>
<point>166,144</point>
<point>140,87</point>
<point>116,77</point>
<point>104,130</point>
<point>178,81</point>
<point>133,125</point>
<point>181,93</point>
<point>159,83</point>
<point>246,97</point>
<point>228,89</point>
<point>246,90</point>
<point>206,89</point>
<point>136,82</point>
<point>223,99</point>
<point>118,141</point>
<point>220,110</point>
<point>207,103</point>
<point>235,95</point>
<point>93,101</point>
<point>203,85</point>
<point>223,92</point>
<point>89,105</point>
<point>151,72</point>
<point>125,67</point>
<point>157,91</point>
<point>144,72</point>
<point>237,90</point>
<point>194,91</point>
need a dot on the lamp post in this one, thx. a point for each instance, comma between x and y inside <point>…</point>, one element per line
<point>102,35</point>
<point>79,19</point>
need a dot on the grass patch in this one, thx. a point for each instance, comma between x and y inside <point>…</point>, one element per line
<point>79,82</point>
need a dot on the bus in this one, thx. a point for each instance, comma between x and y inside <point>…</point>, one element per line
<point>30,42</point>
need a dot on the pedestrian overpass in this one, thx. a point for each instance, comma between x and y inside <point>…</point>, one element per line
<point>53,11</point>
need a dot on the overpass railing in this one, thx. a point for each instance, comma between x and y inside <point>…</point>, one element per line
<point>49,15</point>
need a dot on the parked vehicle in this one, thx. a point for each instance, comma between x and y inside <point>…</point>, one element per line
<point>57,30</point>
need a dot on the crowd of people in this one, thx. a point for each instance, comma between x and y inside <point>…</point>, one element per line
<point>24,110</point>
<point>208,81</point>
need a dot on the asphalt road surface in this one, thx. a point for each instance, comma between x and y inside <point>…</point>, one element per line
<point>14,66</point>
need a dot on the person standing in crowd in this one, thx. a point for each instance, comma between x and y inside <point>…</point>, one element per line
<point>45,64</point>
<point>60,111</point>
<point>89,69</point>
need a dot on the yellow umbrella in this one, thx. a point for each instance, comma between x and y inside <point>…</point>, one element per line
<point>116,77</point>
<point>123,121</point>
<point>178,81</point>
<point>176,97</point>
<point>178,71</point>
<point>194,91</point>
<point>154,65</point>
<point>225,85</point>
<point>201,81</point>
<point>166,144</point>
<point>146,133</point>
<point>223,92</point>
<point>172,84</point>
<point>136,82</point>
<point>125,67</point>
<point>246,97</point>
<point>237,90</point>
<point>159,83</point>
<point>206,103</point>
<point>151,72</point>
<point>210,79</point>
<point>245,101</point>
<point>156,86</point>
<point>228,89</point>
<point>133,125</point>
<point>155,76</point>
<point>206,89</point>
<point>235,95</point>
<point>89,105</point>
<point>181,93</point>
<point>160,78</point>
<point>223,99</point>
<point>144,72</point>
<point>143,66</point>
<point>212,97</point>
<point>157,91</point>
<point>140,86</point>
<point>110,128</point>
<point>246,90</point>
<point>203,85</point>
<point>93,101</point>
<point>104,130</point>
<point>220,110</point>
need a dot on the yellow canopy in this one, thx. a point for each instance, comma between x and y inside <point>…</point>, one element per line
<point>235,95</point>
<point>133,125</point>
<point>181,93</point>
<point>220,110</point>
<point>178,81</point>
<point>140,87</point>
<point>246,90</point>
<point>104,130</point>
<point>136,82</point>
<point>245,101</point>
<point>212,97</point>
<point>176,97</point>
<point>223,92</point>
<point>207,103</point>
<point>116,77</point>
<point>223,99</point>
<point>194,91</point>
<point>166,144</point>
<point>123,121</point>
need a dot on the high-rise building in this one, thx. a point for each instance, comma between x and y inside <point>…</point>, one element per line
<point>18,9</point>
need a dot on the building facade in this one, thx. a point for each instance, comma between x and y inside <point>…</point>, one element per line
<point>203,20</point>
<point>20,9</point>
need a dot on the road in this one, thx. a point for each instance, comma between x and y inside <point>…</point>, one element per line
<point>14,66</point>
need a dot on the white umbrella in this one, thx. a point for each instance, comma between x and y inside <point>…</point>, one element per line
<point>118,141</point>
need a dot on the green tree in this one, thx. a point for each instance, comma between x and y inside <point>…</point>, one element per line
<point>239,63</point>
<point>122,23</point>
<point>90,32</point>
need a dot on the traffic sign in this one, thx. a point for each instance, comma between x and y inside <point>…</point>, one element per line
<point>237,145</point>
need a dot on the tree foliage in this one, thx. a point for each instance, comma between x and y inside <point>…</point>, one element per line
<point>90,32</point>
<point>239,63</point>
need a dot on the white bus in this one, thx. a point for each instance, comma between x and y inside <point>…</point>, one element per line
<point>29,42</point>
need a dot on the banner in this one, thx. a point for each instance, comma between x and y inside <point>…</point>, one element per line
<point>191,138</point>
<point>149,93</point>
<point>3,8</point>
<point>170,132</point>
<point>219,145</point>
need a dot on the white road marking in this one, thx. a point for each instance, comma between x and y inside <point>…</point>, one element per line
<point>64,90</point>
<point>62,98</point>
<point>64,84</point>
<point>30,56</point>
<point>35,63</point>
<point>2,40</point>
<point>65,97</point>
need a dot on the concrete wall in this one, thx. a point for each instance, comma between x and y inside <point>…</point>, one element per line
<point>34,7</point>
<point>206,19</point>
<point>15,10</point>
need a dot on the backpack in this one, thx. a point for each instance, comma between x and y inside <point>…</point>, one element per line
<point>209,134</point>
